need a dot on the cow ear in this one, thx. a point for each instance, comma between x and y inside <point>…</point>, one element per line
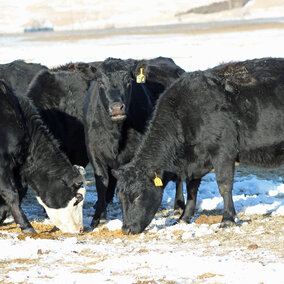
<point>136,68</point>
<point>122,170</point>
<point>87,70</point>
<point>117,173</point>
<point>2,87</point>
<point>79,169</point>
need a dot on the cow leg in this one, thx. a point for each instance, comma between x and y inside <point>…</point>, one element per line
<point>192,188</point>
<point>22,190</point>
<point>4,208</point>
<point>105,196</point>
<point>100,207</point>
<point>225,179</point>
<point>10,194</point>
<point>111,187</point>
<point>179,198</point>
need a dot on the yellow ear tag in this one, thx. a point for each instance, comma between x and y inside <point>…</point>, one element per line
<point>141,78</point>
<point>157,181</point>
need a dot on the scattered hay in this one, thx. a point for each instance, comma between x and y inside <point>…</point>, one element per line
<point>105,233</point>
<point>36,236</point>
<point>86,271</point>
<point>204,219</point>
<point>16,264</point>
<point>178,234</point>
<point>145,282</point>
<point>45,231</point>
<point>143,251</point>
<point>208,275</point>
<point>253,246</point>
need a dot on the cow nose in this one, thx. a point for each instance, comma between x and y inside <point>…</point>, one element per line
<point>126,231</point>
<point>117,107</point>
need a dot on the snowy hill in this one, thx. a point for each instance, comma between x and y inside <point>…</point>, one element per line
<point>15,15</point>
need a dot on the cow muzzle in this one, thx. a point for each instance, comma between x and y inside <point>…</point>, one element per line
<point>117,111</point>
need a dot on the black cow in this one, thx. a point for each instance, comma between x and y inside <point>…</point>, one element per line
<point>59,97</point>
<point>160,73</point>
<point>116,113</point>
<point>30,155</point>
<point>19,74</point>
<point>206,120</point>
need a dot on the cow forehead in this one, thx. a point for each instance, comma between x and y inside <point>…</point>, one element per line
<point>113,65</point>
<point>116,77</point>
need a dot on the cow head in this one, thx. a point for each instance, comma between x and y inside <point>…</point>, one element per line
<point>113,85</point>
<point>160,72</point>
<point>63,199</point>
<point>139,198</point>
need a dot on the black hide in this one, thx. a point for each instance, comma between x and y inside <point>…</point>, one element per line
<point>59,97</point>
<point>207,120</point>
<point>30,155</point>
<point>18,74</point>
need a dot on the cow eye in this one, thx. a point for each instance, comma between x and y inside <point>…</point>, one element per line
<point>78,184</point>
<point>138,197</point>
<point>128,84</point>
<point>79,198</point>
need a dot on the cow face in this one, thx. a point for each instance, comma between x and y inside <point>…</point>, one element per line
<point>139,199</point>
<point>113,84</point>
<point>63,200</point>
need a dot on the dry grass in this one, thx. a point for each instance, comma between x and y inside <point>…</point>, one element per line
<point>208,275</point>
<point>261,232</point>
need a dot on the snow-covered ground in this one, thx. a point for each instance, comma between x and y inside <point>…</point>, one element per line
<point>252,252</point>
<point>166,252</point>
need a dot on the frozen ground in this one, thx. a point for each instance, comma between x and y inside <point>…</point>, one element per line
<point>252,252</point>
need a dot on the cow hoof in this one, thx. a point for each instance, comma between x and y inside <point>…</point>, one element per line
<point>103,221</point>
<point>3,214</point>
<point>28,230</point>
<point>2,219</point>
<point>227,223</point>
<point>178,211</point>
<point>95,223</point>
<point>179,206</point>
<point>186,220</point>
<point>180,221</point>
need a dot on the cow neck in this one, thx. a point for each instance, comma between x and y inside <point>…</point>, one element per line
<point>162,140</point>
<point>46,162</point>
<point>44,158</point>
<point>15,104</point>
<point>63,92</point>
<point>108,133</point>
